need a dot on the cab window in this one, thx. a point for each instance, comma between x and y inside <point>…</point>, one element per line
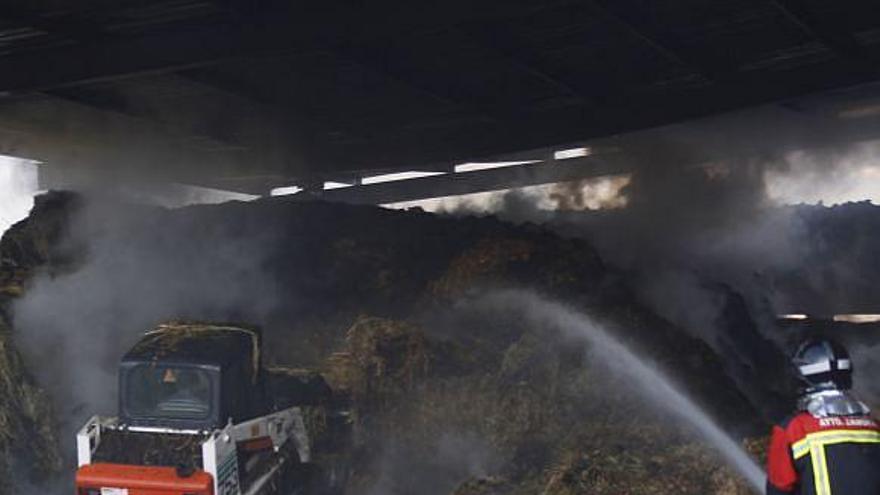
<point>168,392</point>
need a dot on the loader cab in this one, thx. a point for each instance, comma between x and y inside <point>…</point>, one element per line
<point>192,377</point>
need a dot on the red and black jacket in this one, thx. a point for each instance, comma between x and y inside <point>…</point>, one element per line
<point>838,455</point>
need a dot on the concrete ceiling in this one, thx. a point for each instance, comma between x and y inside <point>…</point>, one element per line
<point>250,95</point>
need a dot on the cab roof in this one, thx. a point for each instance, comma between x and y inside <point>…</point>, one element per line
<point>198,343</point>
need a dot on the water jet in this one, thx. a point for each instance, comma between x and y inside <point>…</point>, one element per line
<point>651,382</point>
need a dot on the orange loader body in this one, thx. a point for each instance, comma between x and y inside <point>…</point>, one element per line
<point>119,479</point>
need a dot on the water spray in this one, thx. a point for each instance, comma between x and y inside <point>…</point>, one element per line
<point>652,383</point>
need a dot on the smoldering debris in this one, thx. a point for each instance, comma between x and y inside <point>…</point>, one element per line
<point>28,433</point>
<point>85,277</point>
<point>655,386</point>
<point>551,418</point>
<point>88,276</point>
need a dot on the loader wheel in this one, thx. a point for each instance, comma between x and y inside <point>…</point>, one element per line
<point>296,476</point>
<point>307,480</point>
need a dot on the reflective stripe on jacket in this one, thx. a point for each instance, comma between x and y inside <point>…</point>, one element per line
<point>837,455</point>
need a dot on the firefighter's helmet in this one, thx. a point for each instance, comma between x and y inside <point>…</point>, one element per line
<point>823,364</point>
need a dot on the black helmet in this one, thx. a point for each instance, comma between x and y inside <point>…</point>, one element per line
<point>823,365</point>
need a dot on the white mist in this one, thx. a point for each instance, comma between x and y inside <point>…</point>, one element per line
<point>653,384</point>
<point>18,184</point>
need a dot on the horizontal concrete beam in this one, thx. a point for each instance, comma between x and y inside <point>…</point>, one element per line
<point>454,184</point>
<point>80,144</point>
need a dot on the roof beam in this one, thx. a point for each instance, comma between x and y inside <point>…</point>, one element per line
<point>116,104</point>
<point>85,32</point>
<point>288,28</point>
<point>373,59</point>
<point>432,87</point>
<point>74,30</point>
<point>152,61</point>
<point>520,55</point>
<point>615,115</point>
<point>837,40</point>
<point>279,105</point>
<point>93,61</point>
<point>113,146</point>
<point>640,29</point>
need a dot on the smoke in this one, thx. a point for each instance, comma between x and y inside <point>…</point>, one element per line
<point>18,184</point>
<point>138,270</point>
<point>867,358</point>
<point>589,194</point>
<point>119,269</point>
<point>142,265</point>
<point>435,468</point>
<point>271,262</point>
<point>175,195</point>
<point>704,244</point>
<point>601,193</point>
<point>708,235</point>
<point>833,176</point>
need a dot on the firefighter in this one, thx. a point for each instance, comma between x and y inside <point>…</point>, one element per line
<point>832,444</point>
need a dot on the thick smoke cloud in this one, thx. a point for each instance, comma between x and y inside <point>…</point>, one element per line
<point>18,184</point>
<point>710,244</point>
<point>254,264</point>
<point>271,263</point>
<point>592,194</point>
<point>831,176</point>
<point>140,268</point>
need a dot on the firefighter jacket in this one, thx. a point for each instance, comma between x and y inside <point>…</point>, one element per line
<point>833,455</point>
